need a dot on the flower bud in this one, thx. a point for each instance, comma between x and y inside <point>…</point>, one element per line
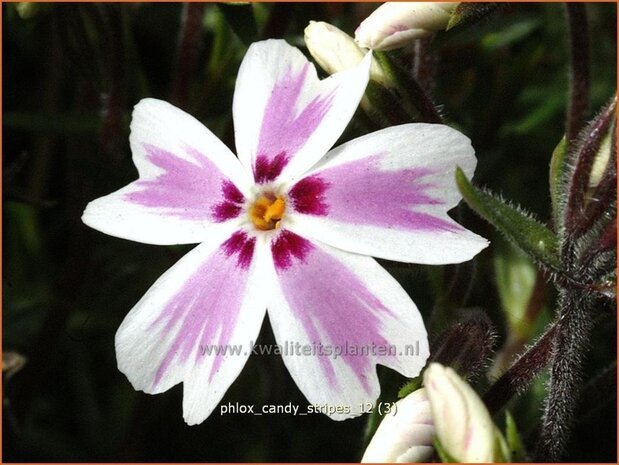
<point>335,51</point>
<point>395,24</point>
<point>406,434</point>
<point>466,346</point>
<point>590,176</point>
<point>462,422</point>
<point>600,162</point>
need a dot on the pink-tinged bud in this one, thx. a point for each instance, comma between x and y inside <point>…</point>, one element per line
<point>395,24</point>
<point>336,51</point>
<point>462,422</point>
<point>405,435</point>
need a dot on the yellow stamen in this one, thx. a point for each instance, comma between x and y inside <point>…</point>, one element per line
<point>275,210</point>
<point>267,211</point>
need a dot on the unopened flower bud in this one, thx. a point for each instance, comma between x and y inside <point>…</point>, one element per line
<point>395,24</point>
<point>406,434</point>
<point>600,163</point>
<point>462,422</point>
<point>335,51</point>
<point>590,184</point>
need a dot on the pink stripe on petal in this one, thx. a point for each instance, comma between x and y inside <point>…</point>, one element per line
<point>286,128</point>
<point>332,304</point>
<point>308,196</point>
<point>268,169</point>
<point>207,305</point>
<point>232,204</point>
<point>359,192</point>
<point>187,189</point>
<point>241,245</point>
<point>287,247</point>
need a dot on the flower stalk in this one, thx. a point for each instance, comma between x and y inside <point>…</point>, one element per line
<point>570,345</point>
<point>411,89</point>
<point>187,53</point>
<point>579,68</point>
<point>522,373</point>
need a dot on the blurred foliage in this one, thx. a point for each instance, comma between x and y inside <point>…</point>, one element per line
<point>72,73</point>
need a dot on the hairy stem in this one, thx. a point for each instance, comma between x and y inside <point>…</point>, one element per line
<point>580,68</point>
<point>522,372</point>
<point>423,102</point>
<point>570,345</point>
<point>411,89</point>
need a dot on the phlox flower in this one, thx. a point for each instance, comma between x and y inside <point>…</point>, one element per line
<point>396,24</point>
<point>283,227</point>
<point>461,420</point>
<point>406,434</point>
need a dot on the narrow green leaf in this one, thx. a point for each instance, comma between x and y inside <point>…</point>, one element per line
<point>409,387</point>
<point>514,442</point>
<point>373,421</point>
<point>515,278</point>
<point>557,181</point>
<point>502,454</point>
<point>531,236</point>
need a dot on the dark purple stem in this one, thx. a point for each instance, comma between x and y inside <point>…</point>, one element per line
<point>580,69</point>
<point>188,50</point>
<point>571,343</point>
<point>407,83</point>
<point>520,375</point>
<point>424,104</point>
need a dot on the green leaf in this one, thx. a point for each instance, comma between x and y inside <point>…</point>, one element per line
<point>502,454</point>
<point>514,442</point>
<point>532,237</point>
<point>515,278</point>
<point>373,421</point>
<point>409,387</point>
<point>511,34</point>
<point>557,181</point>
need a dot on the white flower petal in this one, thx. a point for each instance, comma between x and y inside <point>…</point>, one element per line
<point>190,184</point>
<point>462,422</point>
<point>387,194</point>
<point>396,24</point>
<point>335,51</point>
<point>196,324</point>
<point>351,307</point>
<point>285,118</point>
<point>406,434</point>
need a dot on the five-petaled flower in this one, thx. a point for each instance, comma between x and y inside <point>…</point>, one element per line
<point>283,227</point>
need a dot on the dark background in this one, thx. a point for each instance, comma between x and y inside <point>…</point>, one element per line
<point>71,75</point>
